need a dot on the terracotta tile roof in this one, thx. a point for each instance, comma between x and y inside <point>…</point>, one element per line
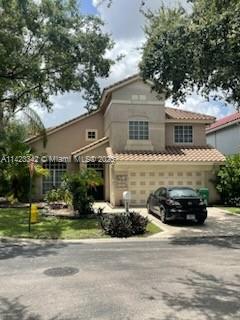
<point>179,114</point>
<point>224,121</point>
<point>92,145</point>
<point>172,154</point>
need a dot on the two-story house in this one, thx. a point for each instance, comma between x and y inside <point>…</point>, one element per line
<point>224,134</point>
<point>152,145</point>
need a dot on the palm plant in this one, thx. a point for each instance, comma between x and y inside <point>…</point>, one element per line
<point>30,119</point>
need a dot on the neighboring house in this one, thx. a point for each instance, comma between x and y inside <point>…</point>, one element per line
<point>152,145</point>
<point>224,134</point>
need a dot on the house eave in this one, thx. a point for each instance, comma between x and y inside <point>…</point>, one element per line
<point>156,162</point>
<point>62,126</point>
<point>91,147</point>
<point>236,122</point>
<point>189,121</point>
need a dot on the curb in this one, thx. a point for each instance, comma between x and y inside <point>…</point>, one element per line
<point>7,240</point>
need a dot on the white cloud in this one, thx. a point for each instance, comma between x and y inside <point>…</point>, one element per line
<point>123,18</point>
<point>197,103</point>
<point>66,107</point>
<point>124,22</point>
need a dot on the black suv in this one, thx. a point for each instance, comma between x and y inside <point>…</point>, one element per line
<point>177,203</point>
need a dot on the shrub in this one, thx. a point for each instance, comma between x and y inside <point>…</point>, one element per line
<point>234,202</point>
<point>58,195</point>
<point>79,186</point>
<point>123,224</point>
<point>139,223</point>
<point>228,180</point>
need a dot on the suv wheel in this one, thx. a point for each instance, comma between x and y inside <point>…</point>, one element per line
<point>163,215</point>
<point>200,221</point>
<point>148,209</point>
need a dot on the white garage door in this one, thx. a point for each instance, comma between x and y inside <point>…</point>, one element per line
<point>142,182</point>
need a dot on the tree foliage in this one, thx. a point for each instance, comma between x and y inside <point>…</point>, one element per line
<point>14,172</point>
<point>199,50</point>
<point>46,48</point>
<point>228,180</point>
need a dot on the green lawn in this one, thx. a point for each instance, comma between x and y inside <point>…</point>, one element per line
<point>232,209</point>
<point>14,223</point>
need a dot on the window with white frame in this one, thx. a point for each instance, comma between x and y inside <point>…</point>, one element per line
<point>138,130</point>
<point>54,179</point>
<point>183,134</point>
<point>91,134</point>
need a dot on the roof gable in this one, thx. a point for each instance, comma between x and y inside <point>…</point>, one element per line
<point>63,125</point>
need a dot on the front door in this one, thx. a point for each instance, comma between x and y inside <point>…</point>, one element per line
<point>98,192</point>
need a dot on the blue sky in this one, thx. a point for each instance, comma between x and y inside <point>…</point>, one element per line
<point>87,7</point>
<point>125,23</point>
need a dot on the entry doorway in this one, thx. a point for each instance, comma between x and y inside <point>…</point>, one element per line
<point>98,192</point>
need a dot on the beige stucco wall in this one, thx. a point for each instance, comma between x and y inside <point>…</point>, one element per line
<point>137,87</point>
<point>199,134</point>
<point>70,138</point>
<point>143,179</point>
<point>124,108</point>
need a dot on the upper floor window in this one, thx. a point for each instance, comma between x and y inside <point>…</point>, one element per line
<point>91,134</point>
<point>138,130</point>
<point>183,134</point>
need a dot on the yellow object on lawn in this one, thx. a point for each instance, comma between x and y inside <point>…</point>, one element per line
<point>34,213</point>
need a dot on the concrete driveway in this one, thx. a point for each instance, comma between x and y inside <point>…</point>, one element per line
<point>218,223</point>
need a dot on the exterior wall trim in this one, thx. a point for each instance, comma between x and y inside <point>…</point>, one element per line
<point>92,130</point>
<point>188,121</point>
<point>133,102</point>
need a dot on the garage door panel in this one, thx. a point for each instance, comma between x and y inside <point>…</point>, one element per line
<point>141,182</point>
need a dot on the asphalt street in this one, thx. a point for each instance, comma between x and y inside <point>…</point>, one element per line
<point>182,278</point>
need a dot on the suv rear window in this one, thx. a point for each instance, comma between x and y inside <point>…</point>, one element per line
<point>182,193</point>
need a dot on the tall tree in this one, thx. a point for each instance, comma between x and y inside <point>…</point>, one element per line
<point>199,50</point>
<point>47,47</point>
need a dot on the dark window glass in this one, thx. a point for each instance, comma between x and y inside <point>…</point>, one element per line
<point>183,134</point>
<point>138,130</point>
<point>184,192</point>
